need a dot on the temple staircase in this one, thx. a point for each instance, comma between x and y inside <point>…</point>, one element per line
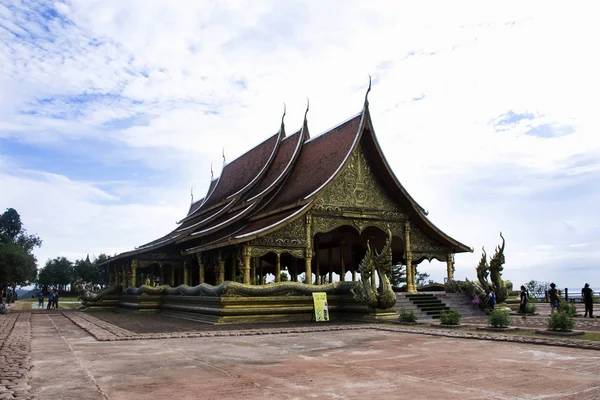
<point>430,305</point>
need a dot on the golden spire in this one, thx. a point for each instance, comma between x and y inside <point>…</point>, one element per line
<point>282,128</point>
<point>367,94</point>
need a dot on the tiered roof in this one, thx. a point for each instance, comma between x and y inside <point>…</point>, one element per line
<point>277,181</point>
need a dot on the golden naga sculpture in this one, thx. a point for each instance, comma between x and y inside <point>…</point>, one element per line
<point>383,297</point>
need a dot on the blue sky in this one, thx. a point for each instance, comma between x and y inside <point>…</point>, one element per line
<point>110,111</point>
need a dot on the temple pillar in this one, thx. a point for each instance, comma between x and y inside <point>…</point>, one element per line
<point>124,277</point>
<point>253,270</point>
<point>342,266</point>
<point>410,272</point>
<point>117,282</point>
<point>246,258</point>
<point>201,269</point>
<point>308,255</point>
<point>134,265</point>
<point>330,256</point>
<point>278,268</point>
<point>450,267</point>
<point>172,275</point>
<point>186,274</point>
<point>220,268</point>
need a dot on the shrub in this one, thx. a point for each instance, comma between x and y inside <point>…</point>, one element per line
<point>407,316</point>
<point>499,319</point>
<point>560,321</point>
<point>567,307</point>
<point>450,317</point>
<point>530,308</point>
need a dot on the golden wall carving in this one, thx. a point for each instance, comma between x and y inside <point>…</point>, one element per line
<point>290,235</point>
<point>324,224</point>
<point>357,187</point>
<point>424,248</point>
<point>261,251</point>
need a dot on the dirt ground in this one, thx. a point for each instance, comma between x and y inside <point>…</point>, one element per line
<point>69,363</point>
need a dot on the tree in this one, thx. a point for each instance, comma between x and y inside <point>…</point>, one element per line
<point>87,271</point>
<point>421,278</point>
<point>17,262</point>
<point>398,275</point>
<point>57,272</point>
<point>102,268</point>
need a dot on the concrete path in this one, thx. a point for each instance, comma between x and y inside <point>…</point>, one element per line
<point>69,363</point>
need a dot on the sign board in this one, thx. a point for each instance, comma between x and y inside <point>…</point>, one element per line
<point>320,306</point>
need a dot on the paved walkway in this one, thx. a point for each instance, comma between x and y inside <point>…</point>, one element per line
<point>119,356</point>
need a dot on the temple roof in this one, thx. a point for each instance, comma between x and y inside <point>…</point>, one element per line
<point>277,181</point>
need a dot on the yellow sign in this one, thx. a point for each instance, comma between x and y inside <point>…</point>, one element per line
<point>320,305</point>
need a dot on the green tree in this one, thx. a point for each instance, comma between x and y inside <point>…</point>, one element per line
<point>17,262</point>
<point>57,272</point>
<point>87,271</point>
<point>101,267</point>
<point>398,275</point>
<point>421,279</point>
<point>537,289</point>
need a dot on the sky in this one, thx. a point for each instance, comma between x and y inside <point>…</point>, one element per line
<point>112,112</point>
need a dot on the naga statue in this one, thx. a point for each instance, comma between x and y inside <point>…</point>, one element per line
<point>383,297</point>
<point>494,270</point>
<point>87,294</point>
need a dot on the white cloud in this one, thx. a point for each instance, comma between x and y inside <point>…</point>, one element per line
<point>188,78</point>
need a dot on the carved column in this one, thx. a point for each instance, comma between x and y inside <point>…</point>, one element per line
<point>410,276</point>
<point>342,265</point>
<point>317,268</point>
<point>172,275</point>
<point>294,270</point>
<point>450,267</point>
<point>161,279</point>
<point>253,270</point>
<point>246,258</point>
<point>134,265</point>
<point>124,271</point>
<point>308,256</point>
<point>186,274</point>
<point>221,268</point>
<point>117,281</point>
<point>330,256</point>
<point>278,268</point>
<point>201,269</point>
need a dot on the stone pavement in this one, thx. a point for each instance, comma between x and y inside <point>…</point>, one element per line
<point>313,361</point>
<point>15,358</point>
<point>108,355</point>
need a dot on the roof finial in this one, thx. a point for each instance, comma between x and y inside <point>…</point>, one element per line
<point>307,108</point>
<point>192,193</point>
<point>367,94</point>
<point>223,154</point>
<point>212,175</point>
<point>283,116</point>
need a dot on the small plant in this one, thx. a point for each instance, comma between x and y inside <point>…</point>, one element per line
<point>560,321</point>
<point>450,317</point>
<point>407,316</point>
<point>530,308</point>
<point>499,319</point>
<point>567,307</point>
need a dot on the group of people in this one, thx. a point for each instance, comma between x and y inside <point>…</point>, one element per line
<point>587,297</point>
<point>52,299</point>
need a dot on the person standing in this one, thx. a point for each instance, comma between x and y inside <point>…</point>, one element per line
<point>492,299</point>
<point>50,299</point>
<point>523,300</point>
<point>588,299</point>
<point>56,299</point>
<point>554,301</point>
<point>40,299</point>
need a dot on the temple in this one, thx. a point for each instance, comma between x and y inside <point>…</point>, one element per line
<point>309,205</point>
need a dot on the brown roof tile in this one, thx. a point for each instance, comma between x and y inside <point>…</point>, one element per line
<point>319,159</point>
<point>282,159</point>
<point>241,171</point>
